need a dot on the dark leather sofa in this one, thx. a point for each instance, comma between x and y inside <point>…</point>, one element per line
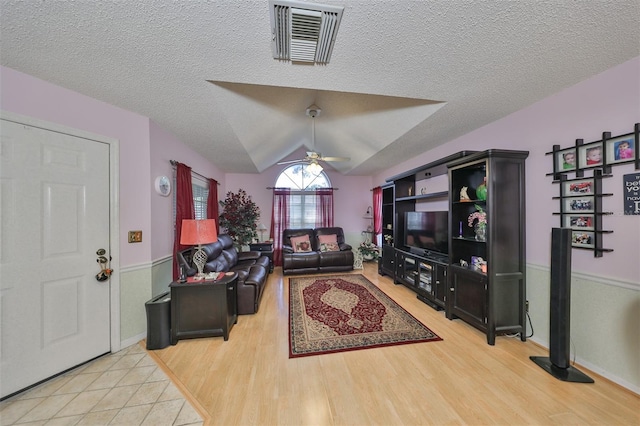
<point>251,266</point>
<point>315,261</point>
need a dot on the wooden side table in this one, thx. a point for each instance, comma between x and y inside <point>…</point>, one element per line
<point>204,308</point>
<point>266,249</point>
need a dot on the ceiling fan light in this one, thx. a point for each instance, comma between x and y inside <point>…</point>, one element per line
<point>314,168</point>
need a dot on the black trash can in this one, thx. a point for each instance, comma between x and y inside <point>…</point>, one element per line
<point>159,321</point>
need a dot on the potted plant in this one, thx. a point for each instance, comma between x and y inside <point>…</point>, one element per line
<point>369,250</point>
<point>239,217</point>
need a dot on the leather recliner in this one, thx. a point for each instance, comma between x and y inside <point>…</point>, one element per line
<point>315,261</point>
<point>251,266</point>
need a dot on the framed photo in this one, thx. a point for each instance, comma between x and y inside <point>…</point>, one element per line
<point>582,239</point>
<point>621,149</point>
<point>583,222</point>
<point>590,155</point>
<point>579,205</point>
<point>579,187</point>
<point>566,160</point>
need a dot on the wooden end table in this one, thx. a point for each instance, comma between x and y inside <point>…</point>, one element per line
<point>204,308</point>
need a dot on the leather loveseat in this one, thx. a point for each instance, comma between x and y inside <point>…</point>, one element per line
<point>251,266</point>
<point>326,251</point>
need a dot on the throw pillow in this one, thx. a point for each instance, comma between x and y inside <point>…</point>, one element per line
<point>301,244</point>
<point>327,239</point>
<point>329,247</point>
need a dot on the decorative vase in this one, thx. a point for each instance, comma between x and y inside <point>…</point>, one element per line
<point>367,256</point>
<point>481,230</point>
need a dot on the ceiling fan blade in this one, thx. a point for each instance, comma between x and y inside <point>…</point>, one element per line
<point>290,162</point>
<point>335,158</point>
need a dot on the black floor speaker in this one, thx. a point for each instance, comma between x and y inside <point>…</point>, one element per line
<point>558,363</point>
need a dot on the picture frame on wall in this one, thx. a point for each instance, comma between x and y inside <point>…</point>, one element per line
<point>590,155</point>
<point>583,222</point>
<point>579,204</point>
<point>621,149</point>
<point>579,187</point>
<point>583,239</point>
<point>566,160</point>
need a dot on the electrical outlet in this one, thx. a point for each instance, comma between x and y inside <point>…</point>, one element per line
<point>526,305</point>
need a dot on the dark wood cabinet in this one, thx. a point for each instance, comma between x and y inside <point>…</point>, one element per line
<point>427,277</point>
<point>387,261</point>
<point>203,308</point>
<point>487,275</point>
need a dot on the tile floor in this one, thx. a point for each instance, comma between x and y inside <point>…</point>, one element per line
<point>124,388</point>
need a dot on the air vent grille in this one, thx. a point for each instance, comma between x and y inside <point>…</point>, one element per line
<point>303,32</point>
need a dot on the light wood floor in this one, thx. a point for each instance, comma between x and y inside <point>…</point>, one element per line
<point>249,379</point>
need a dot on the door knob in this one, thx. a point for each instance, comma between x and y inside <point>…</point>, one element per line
<point>105,271</point>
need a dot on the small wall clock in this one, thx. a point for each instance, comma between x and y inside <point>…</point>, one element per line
<point>163,186</point>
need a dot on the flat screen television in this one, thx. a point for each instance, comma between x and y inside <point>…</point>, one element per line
<point>427,231</point>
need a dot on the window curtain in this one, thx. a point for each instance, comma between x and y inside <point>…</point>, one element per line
<point>279,221</point>
<point>324,207</point>
<point>377,211</point>
<point>184,210</point>
<point>212,203</point>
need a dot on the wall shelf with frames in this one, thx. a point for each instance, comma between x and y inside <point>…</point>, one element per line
<point>581,210</point>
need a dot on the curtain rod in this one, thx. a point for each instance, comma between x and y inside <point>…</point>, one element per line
<point>271,187</point>
<point>174,163</point>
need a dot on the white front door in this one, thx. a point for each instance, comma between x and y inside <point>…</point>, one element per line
<point>54,211</point>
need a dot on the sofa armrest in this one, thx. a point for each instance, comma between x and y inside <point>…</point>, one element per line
<point>345,247</point>
<point>248,255</point>
<point>287,249</point>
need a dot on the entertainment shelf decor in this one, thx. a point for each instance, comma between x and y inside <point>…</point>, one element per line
<point>487,273</point>
<point>581,198</point>
<point>479,279</point>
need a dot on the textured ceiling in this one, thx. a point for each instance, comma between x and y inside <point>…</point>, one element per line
<point>405,76</point>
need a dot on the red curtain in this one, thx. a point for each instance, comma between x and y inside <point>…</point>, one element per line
<point>184,209</point>
<point>377,212</point>
<point>212,203</point>
<point>324,207</point>
<point>279,221</point>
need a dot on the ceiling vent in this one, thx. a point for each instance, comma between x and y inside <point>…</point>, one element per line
<point>303,32</point>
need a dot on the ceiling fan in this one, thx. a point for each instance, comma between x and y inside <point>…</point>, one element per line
<point>314,157</point>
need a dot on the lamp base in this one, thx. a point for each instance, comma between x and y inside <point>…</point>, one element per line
<point>199,259</point>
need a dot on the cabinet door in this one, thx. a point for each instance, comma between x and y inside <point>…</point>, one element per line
<point>440,285</point>
<point>468,296</point>
<point>425,277</point>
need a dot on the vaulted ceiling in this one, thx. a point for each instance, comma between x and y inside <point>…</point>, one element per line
<point>405,76</point>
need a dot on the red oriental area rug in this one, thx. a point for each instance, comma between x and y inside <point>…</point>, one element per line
<point>345,313</point>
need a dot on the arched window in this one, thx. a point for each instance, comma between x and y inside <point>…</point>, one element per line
<point>302,203</point>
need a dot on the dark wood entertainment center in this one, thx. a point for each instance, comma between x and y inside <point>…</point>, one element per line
<point>491,294</point>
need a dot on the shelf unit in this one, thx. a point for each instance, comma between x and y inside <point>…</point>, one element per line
<point>386,265</point>
<point>492,301</point>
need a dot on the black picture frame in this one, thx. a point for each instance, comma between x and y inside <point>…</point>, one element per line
<point>616,152</point>
<point>579,188</point>
<point>591,155</point>
<point>579,204</point>
<point>583,239</point>
<point>580,222</point>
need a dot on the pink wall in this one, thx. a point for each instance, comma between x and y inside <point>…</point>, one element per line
<point>165,147</point>
<point>607,102</point>
<point>145,151</point>
<point>350,201</point>
<point>29,96</point>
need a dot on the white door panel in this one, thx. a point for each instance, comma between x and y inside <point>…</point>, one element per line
<point>55,215</point>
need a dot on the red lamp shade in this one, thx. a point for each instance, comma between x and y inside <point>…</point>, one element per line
<point>198,232</point>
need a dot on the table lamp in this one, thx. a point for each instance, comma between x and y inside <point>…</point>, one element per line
<point>262,228</point>
<point>196,233</point>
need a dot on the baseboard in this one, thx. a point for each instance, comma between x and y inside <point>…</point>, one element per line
<point>132,340</point>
